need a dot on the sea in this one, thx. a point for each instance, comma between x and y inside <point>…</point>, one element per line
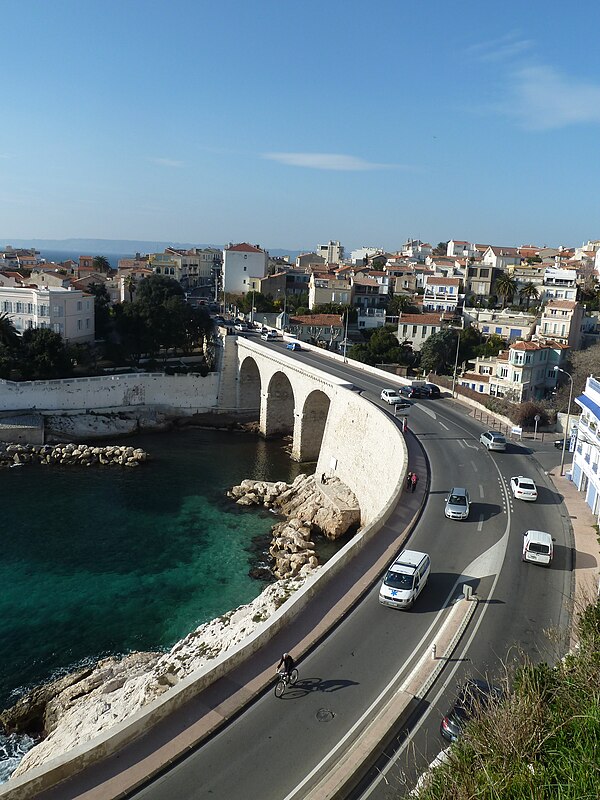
<point>105,561</point>
<point>58,256</point>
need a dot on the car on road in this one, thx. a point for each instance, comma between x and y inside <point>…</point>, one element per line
<point>473,697</point>
<point>268,336</point>
<point>523,488</point>
<point>391,396</point>
<point>405,579</point>
<point>293,346</point>
<point>493,441</point>
<point>560,443</point>
<point>431,391</point>
<point>537,548</point>
<point>411,391</point>
<point>458,504</point>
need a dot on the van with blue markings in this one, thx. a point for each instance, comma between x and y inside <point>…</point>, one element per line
<point>405,579</point>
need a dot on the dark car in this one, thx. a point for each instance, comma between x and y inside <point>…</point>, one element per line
<point>559,443</point>
<point>411,391</point>
<point>473,696</point>
<point>431,390</point>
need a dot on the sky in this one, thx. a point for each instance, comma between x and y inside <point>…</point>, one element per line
<point>287,124</point>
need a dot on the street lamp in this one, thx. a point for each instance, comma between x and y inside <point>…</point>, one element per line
<point>456,360</point>
<point>346,335</point>
<point>567,431</point>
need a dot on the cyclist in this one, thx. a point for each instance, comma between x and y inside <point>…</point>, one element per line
<point>288,664</point>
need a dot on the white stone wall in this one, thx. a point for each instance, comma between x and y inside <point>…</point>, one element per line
<point>112,391</point>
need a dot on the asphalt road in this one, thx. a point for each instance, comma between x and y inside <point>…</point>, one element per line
<point>276,747</point>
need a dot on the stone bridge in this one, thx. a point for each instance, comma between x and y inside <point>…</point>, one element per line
<point>325,417</point>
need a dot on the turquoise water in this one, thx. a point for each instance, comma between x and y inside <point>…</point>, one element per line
<point>104,561</point>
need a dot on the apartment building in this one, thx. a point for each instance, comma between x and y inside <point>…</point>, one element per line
<point>328,289</point>
<point>417,328</point>
<point>511,326</point>
<point>441,294</point>
<point>559,284</point>
<point>240,263</point>
<point>561,322</point>
<point>331,253</point>
<point>479,279</point>
<point>68,312</point>
<point>586,457</point>
<point>523,372</point>
<point>501,257</point>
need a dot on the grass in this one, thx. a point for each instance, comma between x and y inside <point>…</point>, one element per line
<point>542,741</point>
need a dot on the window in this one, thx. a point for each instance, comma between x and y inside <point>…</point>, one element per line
<point>30,308</point>
<point>79,305</point>
<point>504,372</point>
<point>498,330</point>
<point>57,311</point>
<point>78,324</point>
<point>551,373</point>
<point>87,324</point>
<point>486,329</point>
<point>56,327</point>
<point>19,309</point>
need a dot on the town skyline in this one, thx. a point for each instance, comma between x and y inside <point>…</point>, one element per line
<point>290,127</point>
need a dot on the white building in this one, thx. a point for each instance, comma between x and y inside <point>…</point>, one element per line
<point>586,458</point>
<point>68,312</point>
<point>358,256</point>
<point>332,252</point>
<point>441,294</point>
<point>240,263</point>
<point>559,284</point>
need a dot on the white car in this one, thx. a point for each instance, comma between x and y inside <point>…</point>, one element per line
<point>493,441</point>
<point>523,488</point>
<point>269,336</point>
<point>391,396</point>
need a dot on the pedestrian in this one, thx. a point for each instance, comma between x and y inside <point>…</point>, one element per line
<point>409,480</point>
<point>413,480</point>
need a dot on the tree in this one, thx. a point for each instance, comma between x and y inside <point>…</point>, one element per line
<point>131,323</point>
<point>491,346</point>
<point>383,347</point>
<point>130,284</point>
<point>44,355</point>
<point>505,286</point>
<point>101,264</point>
<point>440,249</point>
<point>101,309</point>
<point>529,292</point>
<point>156,289</point>
<point>582,364</point>
<point>439,351</point>
<point>399,303</point>
<point>8,333</point>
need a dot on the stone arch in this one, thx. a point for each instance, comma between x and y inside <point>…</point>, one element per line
<point>249,384</point>
<point>277,407</point>
<point>310,427</point>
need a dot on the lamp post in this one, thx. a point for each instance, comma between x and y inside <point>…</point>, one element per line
<point>252,308</point>
<point>567,431</point>
<point>456,360</point>
<point>346,334</point>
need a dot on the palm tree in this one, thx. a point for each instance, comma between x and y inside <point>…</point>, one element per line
<point>505,286</point>
<point>130,284</point>
<point>529,292</point>
<point>8,333</point>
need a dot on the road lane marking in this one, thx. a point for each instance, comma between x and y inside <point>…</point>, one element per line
<point>425,410</point>
<point>445,427</point>
<point>474,466</point>
<point>481,493</point>
<point>460,442</point>
<point>480,523</point>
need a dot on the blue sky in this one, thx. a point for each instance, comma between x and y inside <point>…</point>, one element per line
<point>292,123</point>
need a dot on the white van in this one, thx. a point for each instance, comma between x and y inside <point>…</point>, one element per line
<point>537,547</point>
<point>405,579</point>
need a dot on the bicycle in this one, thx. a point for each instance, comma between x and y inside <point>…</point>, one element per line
<point>285,679</point>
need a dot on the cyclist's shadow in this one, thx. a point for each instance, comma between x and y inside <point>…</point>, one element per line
<point>307,685</point>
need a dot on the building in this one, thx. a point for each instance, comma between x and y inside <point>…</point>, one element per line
<point>362,255</point>
<point>331,253</point>
<point>417,328</point>
<point>586,457</point>
<point>441,294</point>
<point>322,329</point>
<point>559,284</point>
<point>511,326</point>
<point>416,250</point>
<point>479,279</point>
<point>193,269</point>
<point>240,263</point>
<point>306,261</point>
<point>501,258</point>
<point>524,372</point>
<point>65,311</point>
<point>561,322</point>
<point>324,289</point>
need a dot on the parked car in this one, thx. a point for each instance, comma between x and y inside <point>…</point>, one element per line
<point>523,488</point>
<point>559,444</point>
<point>268,336</point>
<point>537,548</point>
<point>293,346</point>
<point>493,441</point>
<point>458,504</point>
<point>431,390</point>
<point>411,391</point>
<point>474,696</point>
<point>391,396</point>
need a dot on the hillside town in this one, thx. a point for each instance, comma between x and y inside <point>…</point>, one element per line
<point>506,325</point>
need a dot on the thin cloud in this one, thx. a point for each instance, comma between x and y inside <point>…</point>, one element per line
<point>543,98</point>
<point>331,161</point>
<point>501,49</point>
<point>166,162</point>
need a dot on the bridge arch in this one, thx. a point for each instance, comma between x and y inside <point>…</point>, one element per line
<point>277,407</point>
<point>249,384</point>
<point>310,426</point>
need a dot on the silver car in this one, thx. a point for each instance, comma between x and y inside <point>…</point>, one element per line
<point>458,504</point>
<point>493,441</point>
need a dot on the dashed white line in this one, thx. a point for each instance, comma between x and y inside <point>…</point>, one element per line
<point>481,493</point>
<point>480,524</point>
<point>445,427</point>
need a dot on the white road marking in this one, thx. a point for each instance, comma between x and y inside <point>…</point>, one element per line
<point>481,493</point>
<point>480,523</point>
<point>426,410</point>
<point>461,443</point>
<point>445,427</point>
<point>470,446</point>
<point>474,466</point>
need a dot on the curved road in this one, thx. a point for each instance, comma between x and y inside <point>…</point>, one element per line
<point>275,749</point>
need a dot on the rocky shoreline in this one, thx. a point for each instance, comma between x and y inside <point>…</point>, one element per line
<point>82,455</point>
<point>72,710</point>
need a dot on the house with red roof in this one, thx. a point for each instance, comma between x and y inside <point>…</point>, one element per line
<point>561,322</point>
<point>240,263</point>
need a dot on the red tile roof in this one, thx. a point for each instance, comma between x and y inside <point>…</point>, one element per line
<point>244,247</point>
<point>566,304</point>
<point>475,376</point>
<point>443,281</point>
<point>318,319</point>
<point>420,319</point>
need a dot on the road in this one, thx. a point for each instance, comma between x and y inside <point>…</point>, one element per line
<point>276,747</point>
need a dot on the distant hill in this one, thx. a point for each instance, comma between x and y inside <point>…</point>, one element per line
<point>116,246</point>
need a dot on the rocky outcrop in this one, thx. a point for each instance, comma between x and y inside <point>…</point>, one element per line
<point>73,710</point>
<point>81,455</point>
<point>310,509</point>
